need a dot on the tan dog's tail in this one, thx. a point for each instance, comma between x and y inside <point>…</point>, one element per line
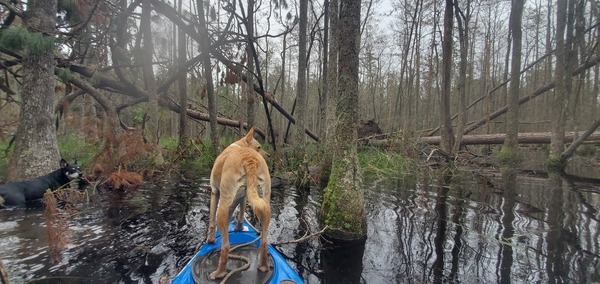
<point>259,206</point>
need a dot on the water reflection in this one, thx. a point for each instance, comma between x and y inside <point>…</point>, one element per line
<point>501,229</point>
<point>343,261</point>
<point>441,207</point>
<point>509,182</point>
<point>468,228</point>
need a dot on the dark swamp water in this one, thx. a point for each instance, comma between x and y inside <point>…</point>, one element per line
<point>475,229</point>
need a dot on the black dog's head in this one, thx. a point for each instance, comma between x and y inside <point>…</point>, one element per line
<point>71,171</point>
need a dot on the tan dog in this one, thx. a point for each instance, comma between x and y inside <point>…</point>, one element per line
<point>239,173</point>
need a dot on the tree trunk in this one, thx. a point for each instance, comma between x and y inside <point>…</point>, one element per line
<point>283,80</point>
<point>325,80</point>
<point>560,96</point>
<point>447,133</point>
<point>343,208</point>
<point>250,97</point>
<point>36,150</point>
<point>568,153</point>
<point>152,110</point>
<point>182,86</point>
<point>491,139</point>
<point>462,20</point>
<point>510,152</point>
<point>298,140</point>
<point>332,88</point>
<point>210,89</point>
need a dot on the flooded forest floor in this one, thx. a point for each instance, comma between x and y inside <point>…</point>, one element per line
<point>475,227</point>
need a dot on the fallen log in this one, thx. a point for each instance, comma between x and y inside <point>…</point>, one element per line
<point>491,139</point>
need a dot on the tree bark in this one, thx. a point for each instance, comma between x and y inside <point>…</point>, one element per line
<point>343,208</point>
<point>298,140</point>
<point>332,85</point>
<point>463,36</point>
<point>510,151</point>
<point>36,149</point>
<point>325,80</point>
<point>182,86</point>
<point>447,132</point>
<point>210,89</point>
<point>250,98</point>
<point>152,110</point>
<point>560,96</point>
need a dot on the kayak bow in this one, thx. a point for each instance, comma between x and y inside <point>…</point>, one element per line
<point>206,260</point>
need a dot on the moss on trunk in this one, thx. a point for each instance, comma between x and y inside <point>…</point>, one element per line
<point>556,164</point>
<point>343,209</point>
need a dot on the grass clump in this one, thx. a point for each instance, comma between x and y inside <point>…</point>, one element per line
<point>169,143</point>
<point>378,164</point>
<point>202,159</point>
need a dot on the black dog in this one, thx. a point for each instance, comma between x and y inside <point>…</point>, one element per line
<point>20,192</point>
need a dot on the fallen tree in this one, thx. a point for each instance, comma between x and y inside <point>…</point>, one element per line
<point>491,139</point>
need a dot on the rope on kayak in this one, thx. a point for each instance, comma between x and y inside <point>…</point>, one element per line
<point>241,268</point>
<point>238,257</point>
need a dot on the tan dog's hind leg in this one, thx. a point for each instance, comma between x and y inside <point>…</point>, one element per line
<point>223,218</point>
<point>239,220</point>
<point>214,202</point>
<point>265,219</point>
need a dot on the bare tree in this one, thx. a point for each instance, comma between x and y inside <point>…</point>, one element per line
<point>558,117</point>
<point>250,64</point>
<point>462,19</point>
<point>446,92</point>
<point>332,89</point>
<point>299,138</point>
<point>210,89</point>
<point>182,86</point>
<point>510,148</point>
<point>325,80</point>
<point>153,109</point>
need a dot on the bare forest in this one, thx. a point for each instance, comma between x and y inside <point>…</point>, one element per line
<point>196,69</point>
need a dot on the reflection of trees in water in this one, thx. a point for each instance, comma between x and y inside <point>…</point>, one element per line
<point>441,207</point>
<point>554,219</point>
<point>458,214</point>
<point>518,229</point>
<point>506,231</point>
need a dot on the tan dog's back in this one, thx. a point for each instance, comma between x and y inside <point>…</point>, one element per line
<point>245,169</point>
<point>247,141</point>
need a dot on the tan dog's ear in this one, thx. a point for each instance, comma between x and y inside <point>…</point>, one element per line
<point>249,136</point>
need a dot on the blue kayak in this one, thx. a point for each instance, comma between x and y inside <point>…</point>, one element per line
<point>206,261</point>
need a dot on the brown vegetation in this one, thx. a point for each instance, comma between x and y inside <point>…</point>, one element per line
<point>56,218</point>
<point>124,180</point>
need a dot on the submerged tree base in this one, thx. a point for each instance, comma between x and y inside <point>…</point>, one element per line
<point>343,209</point>
<point>342,260</point>
<point>556,164</point>
<point>509,158</point>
